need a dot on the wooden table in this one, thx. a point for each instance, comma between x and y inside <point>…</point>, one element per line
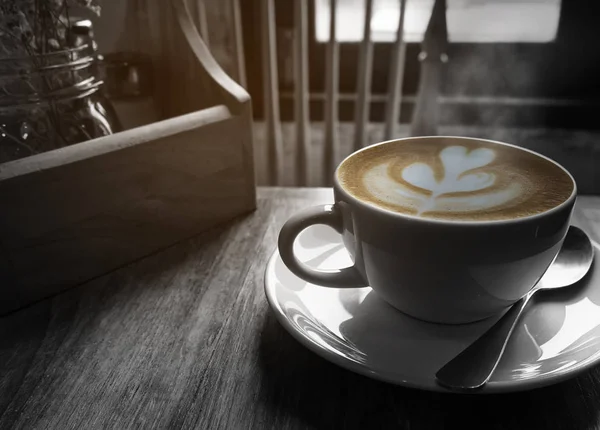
<point>185,339</point>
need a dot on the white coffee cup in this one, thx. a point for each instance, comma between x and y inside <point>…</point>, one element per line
<point>443,271</point>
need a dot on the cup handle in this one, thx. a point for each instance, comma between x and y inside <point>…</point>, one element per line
<point>347,277</point>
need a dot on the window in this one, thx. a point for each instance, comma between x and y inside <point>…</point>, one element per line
<point>469,21</point>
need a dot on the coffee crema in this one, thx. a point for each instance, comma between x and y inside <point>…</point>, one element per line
<point>455,179</point>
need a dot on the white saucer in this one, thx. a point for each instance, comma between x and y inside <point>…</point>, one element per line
<point>558,337</point>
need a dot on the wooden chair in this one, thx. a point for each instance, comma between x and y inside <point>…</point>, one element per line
<point>426,100</point>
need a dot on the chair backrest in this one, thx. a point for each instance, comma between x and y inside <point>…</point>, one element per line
<point>331,148</point>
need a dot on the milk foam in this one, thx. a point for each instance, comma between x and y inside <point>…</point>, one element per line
<point>455,179</point>
<point>457,191</point>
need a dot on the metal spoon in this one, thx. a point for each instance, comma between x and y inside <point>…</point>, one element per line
<point>473,367</point>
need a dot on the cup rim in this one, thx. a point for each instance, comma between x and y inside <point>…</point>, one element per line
<point>382,210</point>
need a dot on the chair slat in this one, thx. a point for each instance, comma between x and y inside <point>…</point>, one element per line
<point>238,42</point>
<point>271,93</point>
<point>331,89</point>
<point>392,115</point>
<point>365,64</point>
<point>301,92</point>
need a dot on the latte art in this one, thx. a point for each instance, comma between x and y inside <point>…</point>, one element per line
<point>471,180</point>
<point>432,195</point>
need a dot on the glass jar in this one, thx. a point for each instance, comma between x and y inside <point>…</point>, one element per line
<point>51,101</point>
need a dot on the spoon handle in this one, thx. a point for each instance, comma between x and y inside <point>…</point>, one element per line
<point>473,367</point>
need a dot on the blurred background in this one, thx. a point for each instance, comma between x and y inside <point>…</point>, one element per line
<point>519,71</point>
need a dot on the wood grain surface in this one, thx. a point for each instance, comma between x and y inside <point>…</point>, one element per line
<point>111,201</point>
<point>185,339</point>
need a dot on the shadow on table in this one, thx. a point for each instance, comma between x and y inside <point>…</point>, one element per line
<point>310,391</point>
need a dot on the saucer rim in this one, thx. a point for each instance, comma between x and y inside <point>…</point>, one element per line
<point>492,387</point>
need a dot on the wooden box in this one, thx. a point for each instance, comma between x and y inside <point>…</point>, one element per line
<point>75,213</point>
